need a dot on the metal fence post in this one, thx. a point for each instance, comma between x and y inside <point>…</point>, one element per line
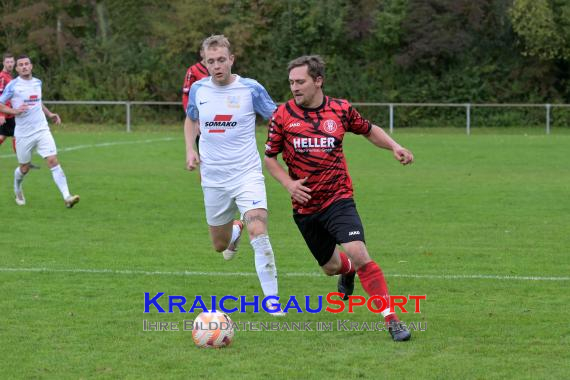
<point>391,106</point>
<point>548,119</point>
<point>468,115</point>
<point>128,105</point>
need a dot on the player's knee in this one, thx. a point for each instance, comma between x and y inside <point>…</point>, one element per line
<point>357,252</point>
<point>52,161</point>
<point>360,260</point>
<point>331,269</point>
<point>256,223</point>
<point>256,230</point>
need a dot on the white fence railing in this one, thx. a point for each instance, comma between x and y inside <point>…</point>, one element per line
<point>391,108</point>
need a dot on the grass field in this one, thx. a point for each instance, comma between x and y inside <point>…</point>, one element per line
<point>479,224</point>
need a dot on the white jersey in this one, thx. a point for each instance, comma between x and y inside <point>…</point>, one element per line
<point>228,149</point>
<point>26,91</point>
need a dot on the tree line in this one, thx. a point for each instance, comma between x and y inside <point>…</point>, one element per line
<point>376,50</point>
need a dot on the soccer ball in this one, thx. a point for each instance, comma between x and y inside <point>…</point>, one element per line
<point>212,330</point>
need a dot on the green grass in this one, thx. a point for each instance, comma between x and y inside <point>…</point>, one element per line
<point>494,203</point>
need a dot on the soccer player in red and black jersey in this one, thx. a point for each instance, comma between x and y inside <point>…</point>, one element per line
<point>194,73</point>
<point>7,122</point>
<point>309,130</point>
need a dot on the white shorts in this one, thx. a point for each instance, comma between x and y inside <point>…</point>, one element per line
<point>222,202</point>
<point>43,142</point>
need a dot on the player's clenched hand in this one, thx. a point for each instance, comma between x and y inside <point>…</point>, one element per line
<point>55,118</point>
<point>403,155</point>
<point>299,192</point>
<point>192,160</point>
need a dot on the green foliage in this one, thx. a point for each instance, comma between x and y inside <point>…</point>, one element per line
<point>376,50</point>
<point>543,26</point>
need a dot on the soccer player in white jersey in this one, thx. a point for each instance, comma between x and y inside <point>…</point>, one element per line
<point>223,108</point>
<point>32,130</point>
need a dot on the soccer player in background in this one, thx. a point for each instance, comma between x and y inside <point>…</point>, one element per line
<point>32,130</point>
<point>224,106</point>
<point>308,130</point>
<point>7,122</point>
<point>194,73</point>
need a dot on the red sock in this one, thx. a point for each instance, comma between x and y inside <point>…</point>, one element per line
<point>346,265</point>
<point>373,282</point>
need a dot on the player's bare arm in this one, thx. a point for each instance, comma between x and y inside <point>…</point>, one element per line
<point>381,139</point>
<point>13,111</point>
<point>190,132</point>
<point>53,116</point>
<point>299,192</point>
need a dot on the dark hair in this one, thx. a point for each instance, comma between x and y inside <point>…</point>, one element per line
<point>314,63</point>
<point>23,56</point>
<point>7,55</point>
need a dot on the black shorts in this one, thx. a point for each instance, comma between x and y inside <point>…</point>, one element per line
<point>339,223</point>
<point>7,129</point>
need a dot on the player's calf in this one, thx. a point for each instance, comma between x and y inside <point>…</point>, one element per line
<point>232,248</point>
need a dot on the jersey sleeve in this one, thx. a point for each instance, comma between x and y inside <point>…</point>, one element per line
<point>8,93</point>
<point>275,138</point>
<point>191,108</point>
<point>357,124</point>
<point>262,102</point>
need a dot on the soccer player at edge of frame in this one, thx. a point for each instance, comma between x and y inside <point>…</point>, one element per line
<point>32,130</point>
<point>308,130</point>
<point>194,73</point>
<point>223,108</point>
<point>8,122</point>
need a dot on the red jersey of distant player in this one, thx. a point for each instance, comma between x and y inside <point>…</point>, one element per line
<point>311,143</point>
<point>193,74</point>
<point>5,78</point>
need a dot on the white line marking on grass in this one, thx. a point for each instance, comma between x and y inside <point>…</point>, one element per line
<point>291,274</point>
<point>480,277</point>
<point>102,145</point>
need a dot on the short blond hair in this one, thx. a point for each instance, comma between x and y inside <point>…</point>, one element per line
<point>218,40</point>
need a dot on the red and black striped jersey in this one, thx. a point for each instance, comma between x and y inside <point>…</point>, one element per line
<point>5,78</point>
<point>311,143</point>
<point>193,74</point>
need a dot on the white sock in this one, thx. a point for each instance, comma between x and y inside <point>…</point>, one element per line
<point>265,265</point>
<point>386,312</point>
<point>60,180</point>
<point>235,234</point>
<point>18,179</point>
